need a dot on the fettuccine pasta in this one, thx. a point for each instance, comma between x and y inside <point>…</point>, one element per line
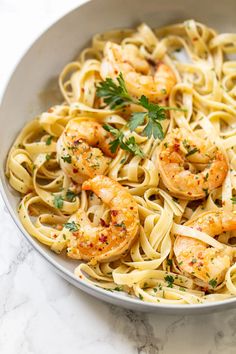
<point>147,209</point>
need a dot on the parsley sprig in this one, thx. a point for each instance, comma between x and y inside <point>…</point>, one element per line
<point>116,96</point>
<point>153,116</point>
<point>127,144</point>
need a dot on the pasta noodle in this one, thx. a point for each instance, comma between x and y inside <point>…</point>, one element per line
<point>205,93</point>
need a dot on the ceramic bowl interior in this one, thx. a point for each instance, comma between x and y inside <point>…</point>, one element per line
<point>33,87</point>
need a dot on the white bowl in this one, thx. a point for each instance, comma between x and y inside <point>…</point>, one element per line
<point>31,90</point>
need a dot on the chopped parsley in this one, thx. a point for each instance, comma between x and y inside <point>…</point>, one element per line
<point>72,226</point>
<point>66,158</point>
<point>205,190</point>
<point>233,200</point>
<point>70,196</point>
<point>48,157</point>
<point>192,151</point>
<point>170,280</point>
<point>58,201</point>
<point>213,283</point>
<point>122,224</point>
<point>118,288</point>
<point>49,140</point>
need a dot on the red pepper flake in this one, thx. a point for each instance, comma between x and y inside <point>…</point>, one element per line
<point>75,170</point>
<point>91,244</point>
<point>82,89</point>
<point>199,228</point>
<point>176,147</point>
<point>100,249</point>
<point>50,110</point>
<point>103,238</point>
<point>103,223</point>
<point>195,39</point>
<point>114,212</point>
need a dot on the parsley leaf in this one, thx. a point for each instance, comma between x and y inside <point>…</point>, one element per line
<point>170,280</point>
<point>114,95</point>
<point>66,158</point>
<point>72,226</point>
<point>129,144</point>
<point>58,201</point>
<point>154,115</point>
<point>48,157</point>
<point>233,200</point>
<point>136,120</point>
<point>49,140</point>
<point>213,283</point>
<point>191,152</point>
<point>70,196</point>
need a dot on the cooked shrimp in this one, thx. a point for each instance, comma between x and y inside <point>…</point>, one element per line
<point>137,72</point>
<point>206,263</point>
<point>181,154</point>
<point>106,242</point>
<point>83,150</point>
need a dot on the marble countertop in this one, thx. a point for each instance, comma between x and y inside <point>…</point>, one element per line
<point>39,311</point>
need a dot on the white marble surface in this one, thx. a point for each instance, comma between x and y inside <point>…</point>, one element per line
<point>40,313</point>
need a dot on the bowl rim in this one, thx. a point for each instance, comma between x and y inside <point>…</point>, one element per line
<point>65,273</point>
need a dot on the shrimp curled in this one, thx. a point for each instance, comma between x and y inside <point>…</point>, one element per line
<point>106,242</point>
<point>209,264</point>
<point>189,167</point>
<point>83,149</point>
<point>137,72</point>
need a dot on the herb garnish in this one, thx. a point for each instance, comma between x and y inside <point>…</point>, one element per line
<point>191,152</point>
<point>233,200</point>
<point>170,280</point>
<point>154,115</point>
<point>70,196</point>
<point>58,201</point>
<point>66,158</point>
<point>206,191</point>
<point>48,157</point>
<point>129,144</point>
<point>117,96</point>
<point>72,226</point>
<point>213,283</point>
<point>49,140</point>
